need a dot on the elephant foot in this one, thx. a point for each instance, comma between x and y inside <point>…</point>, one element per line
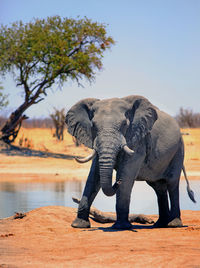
<point>175,223</point>
<point>122,225</point>
<point>160,224</point>
<point>80,223</point>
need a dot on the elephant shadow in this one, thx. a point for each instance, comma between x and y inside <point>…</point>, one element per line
<point>111,230</point>
<point>134,228</point>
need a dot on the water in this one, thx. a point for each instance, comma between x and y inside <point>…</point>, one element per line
<point>27,196</point>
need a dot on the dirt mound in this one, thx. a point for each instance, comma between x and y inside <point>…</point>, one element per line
<point>45,238</point>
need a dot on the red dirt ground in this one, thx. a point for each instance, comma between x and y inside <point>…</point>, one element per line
<point>44,238</point>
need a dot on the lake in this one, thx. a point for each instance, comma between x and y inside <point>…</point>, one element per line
<point>23,197</point>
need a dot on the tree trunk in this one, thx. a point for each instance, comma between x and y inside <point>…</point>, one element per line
<point>12,126</point>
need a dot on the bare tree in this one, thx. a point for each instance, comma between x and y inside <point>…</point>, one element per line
<point>58,118</point>
<point>188,119</point>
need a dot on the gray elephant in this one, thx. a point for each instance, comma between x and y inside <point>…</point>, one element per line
<point>141,143</point>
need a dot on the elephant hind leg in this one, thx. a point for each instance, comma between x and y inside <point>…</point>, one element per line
<point>173,189</point>
<point>160,188</point>
<point>167,217</point>
<point>175,214</point>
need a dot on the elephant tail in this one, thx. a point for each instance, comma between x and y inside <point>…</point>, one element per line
<point>189,190</point>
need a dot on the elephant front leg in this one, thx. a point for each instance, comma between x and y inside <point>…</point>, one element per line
<point>127,172</point>
<point>122,205</point>
<point>91,189</point>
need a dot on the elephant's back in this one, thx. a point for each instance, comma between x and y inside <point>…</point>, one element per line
<point>166,130</point>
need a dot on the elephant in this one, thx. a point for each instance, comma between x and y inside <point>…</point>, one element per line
<point>139,141</point>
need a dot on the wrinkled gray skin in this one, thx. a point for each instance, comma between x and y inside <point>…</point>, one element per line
<point>108,125</point>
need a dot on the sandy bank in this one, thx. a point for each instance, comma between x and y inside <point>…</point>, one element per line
<point>44,238</point>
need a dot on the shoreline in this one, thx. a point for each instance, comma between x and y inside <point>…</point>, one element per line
<point>62,177</point>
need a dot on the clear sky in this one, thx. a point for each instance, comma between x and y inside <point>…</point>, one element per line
<point>157,51</point>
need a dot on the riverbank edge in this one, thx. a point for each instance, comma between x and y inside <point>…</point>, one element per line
<point>68,176</point>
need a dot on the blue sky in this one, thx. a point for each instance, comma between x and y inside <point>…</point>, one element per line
<point>157,51</point>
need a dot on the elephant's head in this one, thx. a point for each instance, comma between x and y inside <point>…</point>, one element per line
<point>109,126</point>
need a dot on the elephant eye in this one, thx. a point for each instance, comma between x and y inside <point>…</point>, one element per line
<point>124,125</point>
<point>94,125</point>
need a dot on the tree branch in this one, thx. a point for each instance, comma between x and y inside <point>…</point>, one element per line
<point>41,99</point>
<point>108,217</point>
<point>33,65</point>
<point>24,83</point>
<point>77,48</point>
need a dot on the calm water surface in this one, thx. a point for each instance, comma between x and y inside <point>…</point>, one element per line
<point>27,196</point>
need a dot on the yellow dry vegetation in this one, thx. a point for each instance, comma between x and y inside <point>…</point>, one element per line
<point>192,148</point>
<point>43,139</point>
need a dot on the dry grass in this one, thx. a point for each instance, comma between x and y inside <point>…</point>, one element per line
<point>43,139</point>
<point>192,148</point>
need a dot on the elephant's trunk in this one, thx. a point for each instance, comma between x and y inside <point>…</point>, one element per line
<point>108,145</point>
<point>106,179</point>
<point>107,151</point>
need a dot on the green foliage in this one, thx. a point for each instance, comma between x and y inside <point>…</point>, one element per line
<point>47,51</point>
<point>52,50</point>
<point>3,99</point>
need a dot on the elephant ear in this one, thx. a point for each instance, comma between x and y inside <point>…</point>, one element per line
<point>142,115</point>
<point>78,120</point>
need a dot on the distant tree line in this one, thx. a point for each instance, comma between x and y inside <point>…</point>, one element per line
<point>55,120</point>
<point>186,118</point>
<point>32,123</point>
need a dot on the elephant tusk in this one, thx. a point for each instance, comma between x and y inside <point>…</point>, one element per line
<point>125,147</point>
<point>86,159</point>
<point>128,150</point>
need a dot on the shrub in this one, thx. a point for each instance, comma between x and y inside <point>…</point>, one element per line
<point>187,119</point>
